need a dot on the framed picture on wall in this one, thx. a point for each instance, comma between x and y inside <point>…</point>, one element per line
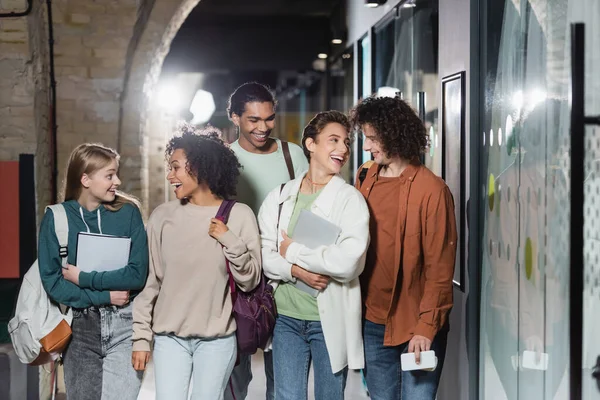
<point>453,164</point>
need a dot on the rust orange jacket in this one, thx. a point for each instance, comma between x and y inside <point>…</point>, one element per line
<point>425,251</point>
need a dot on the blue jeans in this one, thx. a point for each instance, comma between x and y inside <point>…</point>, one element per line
<point>237,388</point>
<point>383,372</point>
<point>98,358</point>
<point>208,362</point>
<point>295,343</point>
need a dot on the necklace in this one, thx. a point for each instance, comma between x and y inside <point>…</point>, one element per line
<point>313,183</point>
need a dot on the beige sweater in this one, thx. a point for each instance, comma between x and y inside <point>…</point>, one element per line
<point>187,292</point>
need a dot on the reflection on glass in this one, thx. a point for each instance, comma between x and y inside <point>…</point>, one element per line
<point>386,91</point>
<point>431,139</point>
<point>365,46</point>
<point>406,62</point>
<point>524,310</point>
<point>341,73</point>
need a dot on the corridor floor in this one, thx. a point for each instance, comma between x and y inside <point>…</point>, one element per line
<point>354,387</point>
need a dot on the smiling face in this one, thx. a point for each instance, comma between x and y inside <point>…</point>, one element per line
<point>103,183</point>
<point>183,182</point>
<point>373,145</point>
<point>256,124</point>
<point>331,149</point>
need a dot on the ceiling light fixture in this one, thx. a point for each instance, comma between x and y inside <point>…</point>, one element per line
<point>322,56</point>
<point>336,41</point>
<point>202,107</point>
<point>374,3</point>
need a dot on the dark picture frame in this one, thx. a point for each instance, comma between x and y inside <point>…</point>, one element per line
<point>453,161</point>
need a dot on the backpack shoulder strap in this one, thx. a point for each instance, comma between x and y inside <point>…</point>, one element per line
<point>280,205</point>
<point>363,172</point>
<point>223,215</point>
<point>285,147</point>
<point>279,211</point>
<point>61,228</point>
<point>225,210</point>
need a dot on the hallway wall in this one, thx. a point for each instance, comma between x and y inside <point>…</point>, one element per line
<point>107,57</point>
<point>458,52</point>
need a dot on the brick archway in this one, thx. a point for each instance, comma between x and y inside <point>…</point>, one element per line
<point>147,50</point>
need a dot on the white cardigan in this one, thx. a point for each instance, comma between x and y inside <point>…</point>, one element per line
<point>340,304</point>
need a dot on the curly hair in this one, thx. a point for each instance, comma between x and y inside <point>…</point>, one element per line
<point>319,122</point>
<point>249,92</point>
<point>209,158</point>
<point>399,129</point>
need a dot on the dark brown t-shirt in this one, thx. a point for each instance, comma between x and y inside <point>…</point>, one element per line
<point>378,276</point>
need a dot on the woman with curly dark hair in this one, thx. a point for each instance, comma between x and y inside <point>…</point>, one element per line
<point>413,231</point>
<point>186,307</point>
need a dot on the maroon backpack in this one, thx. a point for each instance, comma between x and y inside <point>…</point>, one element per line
<point>254,311</point>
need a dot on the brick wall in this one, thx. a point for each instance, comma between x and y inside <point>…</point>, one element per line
<point>24,90</point>
<point>91,41</point>
<point>108,55</point>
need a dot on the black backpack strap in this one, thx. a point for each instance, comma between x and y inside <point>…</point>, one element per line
<point>285,147</point>
<point>363,172</point>
<point>362,175</point>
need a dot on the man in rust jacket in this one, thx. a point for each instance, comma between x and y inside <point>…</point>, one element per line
<point>407,282</point>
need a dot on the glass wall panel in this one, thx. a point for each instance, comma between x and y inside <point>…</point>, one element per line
<point>525,202</point>
<point>365,88</point>
<point>406,56</point>
<point>342,81</point>
<point>342,95</point>
<point>588,11</point>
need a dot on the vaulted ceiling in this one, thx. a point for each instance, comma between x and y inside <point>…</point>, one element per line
<point>268,35</point>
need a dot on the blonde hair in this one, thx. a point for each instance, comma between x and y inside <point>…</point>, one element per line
<point>88,158</point>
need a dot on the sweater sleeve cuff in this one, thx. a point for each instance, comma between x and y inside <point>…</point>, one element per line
<point>85,280</point>
<point>102,299</point>
<point>291,255</point>
<point>230,240</point>
<point>426,330</point>
<point>288,275</point>
<point>141,345</point>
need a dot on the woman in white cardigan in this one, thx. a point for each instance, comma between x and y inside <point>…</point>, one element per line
<point>317,293</point>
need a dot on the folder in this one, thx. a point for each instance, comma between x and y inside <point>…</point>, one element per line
<point>313,231</point>
<point>102,253</point>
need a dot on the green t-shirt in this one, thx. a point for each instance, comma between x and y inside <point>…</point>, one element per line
<point>290,301</point>
<point>265,172</point>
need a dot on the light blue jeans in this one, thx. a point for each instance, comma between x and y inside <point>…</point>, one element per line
<point>295,343</point>
<point>206,362</point>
